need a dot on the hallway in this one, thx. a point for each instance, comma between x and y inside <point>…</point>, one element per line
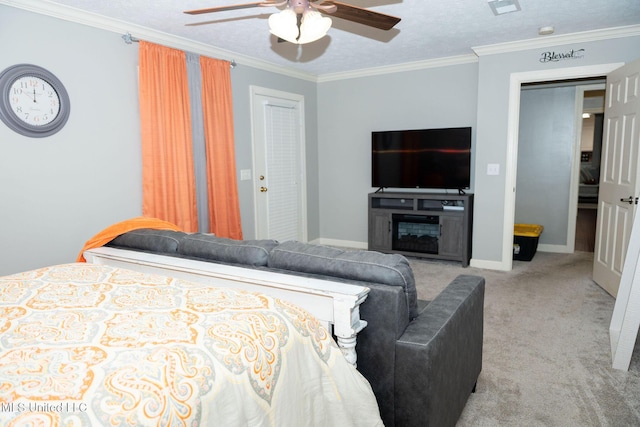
<point>586,229</point>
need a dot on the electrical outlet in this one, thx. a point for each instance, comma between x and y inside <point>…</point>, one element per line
<point>493,169</point>
<point>245,174</point>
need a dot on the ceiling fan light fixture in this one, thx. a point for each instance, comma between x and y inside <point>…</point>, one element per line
<point>313,27</point>
<point>285,25</point>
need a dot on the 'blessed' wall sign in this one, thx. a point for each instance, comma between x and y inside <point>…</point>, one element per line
<point>552,56</point>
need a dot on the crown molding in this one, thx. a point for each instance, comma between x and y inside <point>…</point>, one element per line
<point>547,41</point>
<point>75,15</point>
<point>45,7</point>
<point>407,66</point>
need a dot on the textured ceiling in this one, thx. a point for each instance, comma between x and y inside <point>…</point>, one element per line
<point>429,29</point>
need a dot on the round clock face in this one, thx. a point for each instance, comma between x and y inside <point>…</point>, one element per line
<point>33,102</point>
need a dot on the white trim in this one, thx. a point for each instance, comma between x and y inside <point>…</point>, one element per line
<point>407,66</point>
<point>488,265</point>
<point>547,41</point>
<point>558,249</point>
<point>68,13</point>
<point>515,83</point>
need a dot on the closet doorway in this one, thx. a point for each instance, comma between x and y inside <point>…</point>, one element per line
<point>555,142</point>
<point>516,81</point>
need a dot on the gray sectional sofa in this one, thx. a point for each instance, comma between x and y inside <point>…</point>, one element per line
<point>421,358</point>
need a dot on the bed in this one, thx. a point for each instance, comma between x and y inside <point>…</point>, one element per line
<point>336,305</point>
<point>84,344</point>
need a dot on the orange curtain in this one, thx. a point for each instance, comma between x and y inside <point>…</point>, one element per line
<point>217,106</point>
<point>168,181</point>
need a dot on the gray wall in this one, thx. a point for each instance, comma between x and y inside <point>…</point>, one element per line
<point>57,192</point>
<point>545,152</point>
<point>492,124</point>
<point>349,110</point>
<point>475,94</point>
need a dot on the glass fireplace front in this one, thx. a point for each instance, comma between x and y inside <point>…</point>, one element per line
<point>416,233</point>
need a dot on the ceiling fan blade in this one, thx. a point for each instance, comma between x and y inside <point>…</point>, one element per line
<point>363,16</point>
<point>231,7</point>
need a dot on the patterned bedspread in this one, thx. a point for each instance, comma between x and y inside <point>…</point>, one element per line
<point>91,345</point>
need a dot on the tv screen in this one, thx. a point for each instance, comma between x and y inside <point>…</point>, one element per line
<point>426,158</point>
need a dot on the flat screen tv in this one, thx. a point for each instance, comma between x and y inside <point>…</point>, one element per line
<point>424,158</point>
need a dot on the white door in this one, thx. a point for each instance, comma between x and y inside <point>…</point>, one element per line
<point>278,157</point>
<point>618,195</point>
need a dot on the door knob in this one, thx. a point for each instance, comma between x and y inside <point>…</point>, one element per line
<point>631,200</point>
<point>263,189</point>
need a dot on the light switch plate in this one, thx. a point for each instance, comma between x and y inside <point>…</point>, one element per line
<point>493,169</point>
<point>245,174</point>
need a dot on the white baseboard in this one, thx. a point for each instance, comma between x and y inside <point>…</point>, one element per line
<point>488,265</point>
<point>560,249</point>
<point>503,266</point>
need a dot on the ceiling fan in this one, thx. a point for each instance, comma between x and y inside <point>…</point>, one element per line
<point>301,21</point>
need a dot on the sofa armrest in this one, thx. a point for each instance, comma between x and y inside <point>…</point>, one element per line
<point>387,316</point>
<point>439,356</point>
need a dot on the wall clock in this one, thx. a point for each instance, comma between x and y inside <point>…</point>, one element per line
<point>34,102</point>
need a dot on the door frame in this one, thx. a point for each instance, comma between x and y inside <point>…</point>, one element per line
<point>298,99</point>
<point>513,122</point>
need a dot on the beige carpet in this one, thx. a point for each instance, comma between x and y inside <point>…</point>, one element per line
<point>546,358</point>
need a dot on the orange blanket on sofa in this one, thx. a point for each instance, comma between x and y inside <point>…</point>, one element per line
<point>113,231</point>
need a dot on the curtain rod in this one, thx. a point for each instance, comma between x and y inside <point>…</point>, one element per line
<point>128,39</point>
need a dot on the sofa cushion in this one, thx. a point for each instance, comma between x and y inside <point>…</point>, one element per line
<point>210,247</point>
<point>149,239</point>
<point>366,266</point>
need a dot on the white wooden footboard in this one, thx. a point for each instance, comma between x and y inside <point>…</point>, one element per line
<point>335,304</point>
